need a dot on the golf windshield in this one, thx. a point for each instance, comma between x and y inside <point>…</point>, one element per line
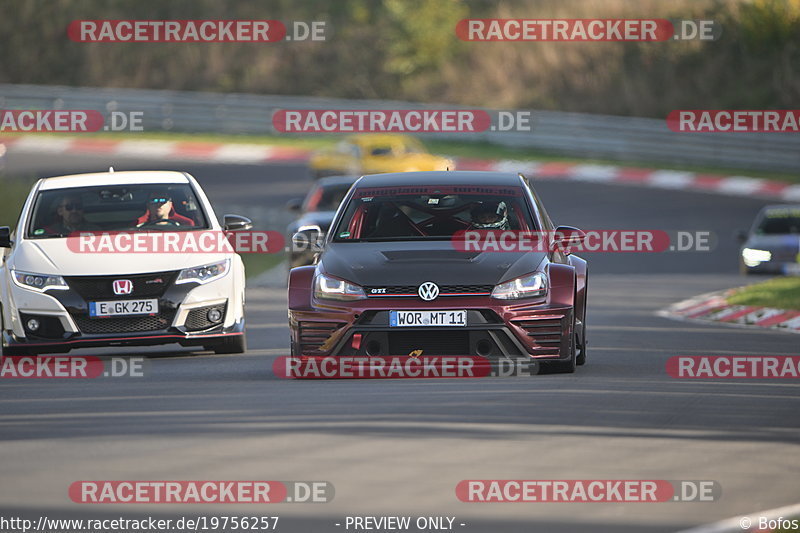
<point>431,212</point>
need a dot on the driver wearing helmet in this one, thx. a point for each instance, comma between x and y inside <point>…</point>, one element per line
<point>161,211</point>
<point>490,215</point>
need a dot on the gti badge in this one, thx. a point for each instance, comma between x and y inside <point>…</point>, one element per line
<point>428,291</point>
<point>122,286</point>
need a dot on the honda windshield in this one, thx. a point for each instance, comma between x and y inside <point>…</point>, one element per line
<point>156,207</point>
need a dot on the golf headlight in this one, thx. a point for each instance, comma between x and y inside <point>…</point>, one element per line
<point>328,288</point>
<point>753,257</point>
<point>528,286</point>
<point>205,273</point>
<point>38,282</point>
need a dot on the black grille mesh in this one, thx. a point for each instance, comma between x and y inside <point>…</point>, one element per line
<point>546,333</point>
<point>197,319</point>
<point>49,326</point>
<point>314,334</point>
<point>444,290</point>
<point>144,285</point>
<point>129,324</point>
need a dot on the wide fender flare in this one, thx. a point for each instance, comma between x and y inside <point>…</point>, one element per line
<point>301,289</point>
<point>563,281</point>
<point>582,278</point>
<point>4,294</point>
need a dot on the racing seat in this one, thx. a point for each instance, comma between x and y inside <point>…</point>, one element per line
<point>391,222</point>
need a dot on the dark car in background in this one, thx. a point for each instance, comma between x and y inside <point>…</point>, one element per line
<point>391,279</point>
<point>315,213</point>
<point>772,245</point>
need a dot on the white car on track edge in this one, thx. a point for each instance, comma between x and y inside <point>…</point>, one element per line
<point>55,298</point>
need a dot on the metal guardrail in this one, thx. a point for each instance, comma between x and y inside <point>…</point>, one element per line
<point>572,134</point>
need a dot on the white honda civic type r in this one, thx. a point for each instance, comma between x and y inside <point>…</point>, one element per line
<point>57,297</point>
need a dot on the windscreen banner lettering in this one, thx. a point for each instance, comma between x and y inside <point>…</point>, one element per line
<point>437,191</point>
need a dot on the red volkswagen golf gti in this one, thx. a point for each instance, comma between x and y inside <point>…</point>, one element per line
<point>393,279</point>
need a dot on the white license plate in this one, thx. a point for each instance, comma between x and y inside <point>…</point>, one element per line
<point>123,307</point>
<point>399,319</point>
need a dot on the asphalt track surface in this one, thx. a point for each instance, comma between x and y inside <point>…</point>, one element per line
<point>399,447</point>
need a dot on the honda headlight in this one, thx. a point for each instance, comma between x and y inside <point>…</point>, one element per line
<point>529,286</point>
<point>205,273</point>
<point>38,282</point>
<point>328,288</point>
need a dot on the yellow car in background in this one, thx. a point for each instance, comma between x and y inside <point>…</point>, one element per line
<point>376,154</point>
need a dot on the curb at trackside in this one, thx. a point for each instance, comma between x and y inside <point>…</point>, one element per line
<point>713,307</point>
<point>240,153</point>
<point>155,149</point>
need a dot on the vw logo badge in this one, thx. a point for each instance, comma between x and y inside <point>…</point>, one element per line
<point>428,291</point>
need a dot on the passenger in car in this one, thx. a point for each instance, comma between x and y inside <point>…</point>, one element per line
<point>69,217</point>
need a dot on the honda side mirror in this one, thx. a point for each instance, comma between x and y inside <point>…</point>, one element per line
<point>236,223</point>
<point>5,237</point>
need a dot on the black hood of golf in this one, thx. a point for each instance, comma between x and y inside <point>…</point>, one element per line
<point>376,264</point>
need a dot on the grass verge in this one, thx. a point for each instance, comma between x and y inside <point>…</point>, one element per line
<point>255,264</point>
<point>780,293</point>
<point>13,193</point>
